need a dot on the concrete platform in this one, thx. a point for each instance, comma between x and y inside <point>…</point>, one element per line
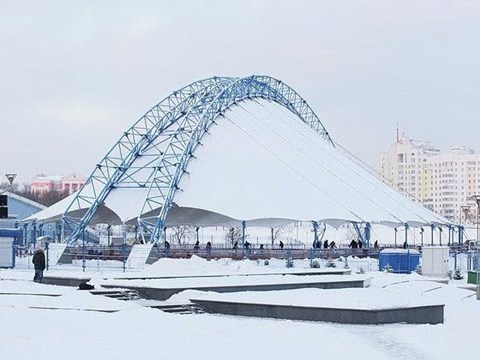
<point>431,314</point>
<point>28,294</point>
<point>65,280</point>
<point>296,273</point>
<point>109,311</point>
<point>163,293</point>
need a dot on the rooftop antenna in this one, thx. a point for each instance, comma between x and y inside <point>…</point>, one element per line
<point>398,133</point>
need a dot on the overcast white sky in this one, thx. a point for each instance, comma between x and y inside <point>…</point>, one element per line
<point>75,74</point>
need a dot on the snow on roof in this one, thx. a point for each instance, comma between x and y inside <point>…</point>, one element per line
<point>261,164</point>
<point>48,178</point>
<point>73,177</point>
<point>53,212</point>
<point>399,251</point>
<point>24,200</point>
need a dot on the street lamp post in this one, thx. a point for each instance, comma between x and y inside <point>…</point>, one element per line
<point>10,178</point>
<point>477,200</point>
<point>465,209</point>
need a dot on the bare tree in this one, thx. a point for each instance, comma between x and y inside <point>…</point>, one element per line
<point>51,197</point>
<point>233,235</point>
<point>181,232</point>
<point>46,198</point>
<point>277,232</point>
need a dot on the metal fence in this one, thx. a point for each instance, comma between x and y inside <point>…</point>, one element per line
<point>121,257</point>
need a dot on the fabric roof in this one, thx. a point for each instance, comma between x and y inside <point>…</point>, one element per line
<point>261,164</point>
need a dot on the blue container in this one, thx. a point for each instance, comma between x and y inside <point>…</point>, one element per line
<point>16,234</point>
<point>401,261</point>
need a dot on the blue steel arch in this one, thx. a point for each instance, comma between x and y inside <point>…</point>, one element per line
<point>193,109</point>
<point>118,159</point>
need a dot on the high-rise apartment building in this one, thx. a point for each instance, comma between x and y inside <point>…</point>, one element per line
<point>442,181</point>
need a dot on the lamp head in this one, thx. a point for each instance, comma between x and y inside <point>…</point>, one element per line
<point>476,197</point>
<point>10,178</point>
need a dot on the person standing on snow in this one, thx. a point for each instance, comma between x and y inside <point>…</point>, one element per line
<point>38,264</point>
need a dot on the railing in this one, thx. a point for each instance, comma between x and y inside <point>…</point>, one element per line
<point>118,257</point>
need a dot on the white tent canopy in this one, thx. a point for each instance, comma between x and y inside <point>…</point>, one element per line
<point>262,165</point>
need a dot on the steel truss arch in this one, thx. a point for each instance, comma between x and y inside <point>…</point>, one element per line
<point>182,146</point>
<point>133,141</point>
<point>178,123</point>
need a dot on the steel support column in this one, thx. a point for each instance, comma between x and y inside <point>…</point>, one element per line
<point>368,235</point>
<point>432,226</point>
<point>460,235</point>
<point>406,235</point>
<point>315,233</point>
<point>244,227</point>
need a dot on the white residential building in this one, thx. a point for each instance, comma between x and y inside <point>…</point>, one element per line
<point>404,166</point>
<point>442,181</point>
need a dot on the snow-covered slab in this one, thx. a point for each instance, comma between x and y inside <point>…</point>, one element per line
<point>354,298</point>
<point>55,252</point>
<point>297,272</point>
<point>36,296</point>
<point>235,281</point>
<point>162,289</point>
<point>429,314</point>
<point>139,255</point>
<point>73,309</point>
<point>66,280</point>
<point>347,306</point>
<point>3,293</point>
<point>27,287</point>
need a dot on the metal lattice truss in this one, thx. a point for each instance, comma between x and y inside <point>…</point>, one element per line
<point>154,153</point>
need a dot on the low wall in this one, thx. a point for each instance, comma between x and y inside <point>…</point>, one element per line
<point>302,273</point>
<point>165,293</point>
<point>64,281</point>
<point>411,315</point>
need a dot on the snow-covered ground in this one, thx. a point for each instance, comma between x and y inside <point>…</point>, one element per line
<point>67,328</point>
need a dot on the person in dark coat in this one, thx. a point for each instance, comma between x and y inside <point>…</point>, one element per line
<point>208,248</point>
<point>375,245</point>
<point>38,264</point>
<point>196,247</point>
<point>353,244</point>
<point>360,243</point>
<point>405,244</point>
<point>325,244</point>
<point>166,248</point>
<point>281,245</point>
<point>333,245</point>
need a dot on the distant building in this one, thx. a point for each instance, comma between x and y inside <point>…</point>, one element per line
<point>62,183</point>
<point>442,181</point>
<point>19,208</point>
<point>404,166</point>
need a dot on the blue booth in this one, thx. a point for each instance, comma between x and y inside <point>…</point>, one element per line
<point>15,234</point>
<point>399,260</point>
